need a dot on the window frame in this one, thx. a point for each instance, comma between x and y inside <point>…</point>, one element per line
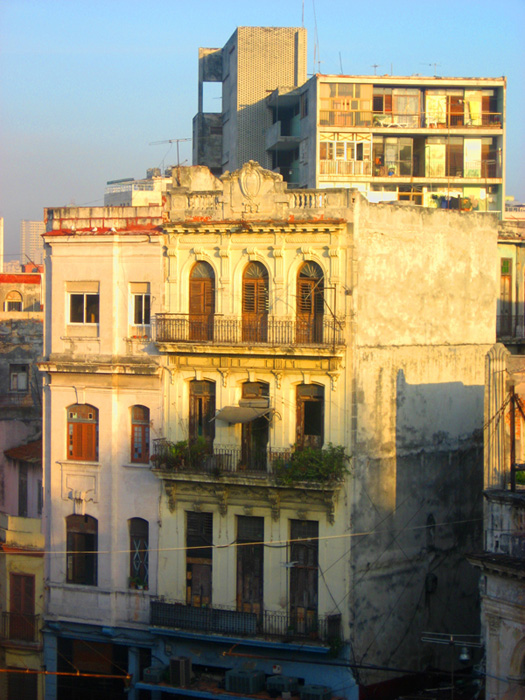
<point>82,550</point>
<point>144,310</point>
<point>18,300</point>
<point>140,427</point>
<point>17,370</point>
<point>81,439</point>
<point>85,309</point>
<point>138,553</point>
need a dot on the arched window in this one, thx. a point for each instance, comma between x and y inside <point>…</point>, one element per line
<point>202,412</point>
<point>310,416</point>
<point>140,434</point>
<point>13,301</point>
<point>310,304</point>
<point>202,301</point>
<point>255,303</point>
<point>138,552</point>
<point>82,432</point>
<point>82,546</point>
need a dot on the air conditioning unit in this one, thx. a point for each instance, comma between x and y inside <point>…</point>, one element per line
<point>247,682</point>
<point>152,674</point>
<point>315,692</point>
<point>180,671</point>
<point>276,685</point>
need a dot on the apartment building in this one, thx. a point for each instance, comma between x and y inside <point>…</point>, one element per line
<point>253,398</point>
<point>21,541</point>
<point>432,141</point>
<point>102,406</point>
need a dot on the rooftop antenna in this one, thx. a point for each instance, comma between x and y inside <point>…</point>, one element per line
<point>432,64</point>
<point>177,141</point>
<point>302,17</point>
<point>375,66</point>
<point>341,63</point>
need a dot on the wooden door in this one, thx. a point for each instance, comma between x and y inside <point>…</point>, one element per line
<point>202,303</point>
<point>22,607</point>
<point>310,304</point>
<point>255,304</point>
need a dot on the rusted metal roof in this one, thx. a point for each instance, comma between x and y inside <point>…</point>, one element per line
<point>30,452</point>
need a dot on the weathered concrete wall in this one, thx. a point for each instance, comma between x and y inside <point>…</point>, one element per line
<point>425,293</point>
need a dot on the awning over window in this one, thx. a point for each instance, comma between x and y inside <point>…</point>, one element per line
<point>241,414</point>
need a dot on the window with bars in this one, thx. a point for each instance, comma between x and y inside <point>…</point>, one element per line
<point>140,434</point>
<point>82,432</point>
<point>138,553</point>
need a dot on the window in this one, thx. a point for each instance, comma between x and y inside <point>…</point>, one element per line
<point>83,308</point>
<point>140,311</point>
<point>202,301</point>
<point>140,434</point>
<point>255,303</point>
<point>82,432</point>
<point>303,553</point>
<point>310,416</point>
<point>138,552</point>
<point>18,378</point>
<point>254,434</point>
<point>199,540</point>
<point>82,546</point>
<point>202,412</point>
<point>310,304</point>
<point>22,607</point>
<point>13,301</point>
<point>22,489</point>
<point>250,530</point>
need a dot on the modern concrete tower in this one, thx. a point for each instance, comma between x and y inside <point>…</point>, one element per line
<point>253,63</point>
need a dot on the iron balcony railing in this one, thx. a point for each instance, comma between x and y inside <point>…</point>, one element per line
<point>181,328</point>
<point>431,119</point>
<point>228,458</point>
<point>20,627</point>
<point>230,621</point>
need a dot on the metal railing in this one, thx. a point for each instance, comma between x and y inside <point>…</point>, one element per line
<point>228,620</point>
<point>225,458</point>
<point>431,119</point>
<point>181,328</point>
<point>20,627</point>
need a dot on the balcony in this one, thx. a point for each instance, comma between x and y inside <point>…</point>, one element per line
<point>180,328</point>
<point>19,627</point>
<point>432,119</point>
<point>227,459</point>
<point>281,626</point>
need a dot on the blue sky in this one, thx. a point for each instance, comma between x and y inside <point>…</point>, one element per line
<point>85,86</point>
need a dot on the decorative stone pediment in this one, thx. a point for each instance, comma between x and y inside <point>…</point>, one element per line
<point>252,190</point>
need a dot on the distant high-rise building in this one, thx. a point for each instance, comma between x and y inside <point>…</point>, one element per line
<point>31,242</point>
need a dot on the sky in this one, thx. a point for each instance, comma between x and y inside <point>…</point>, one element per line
<point>87,85</point>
